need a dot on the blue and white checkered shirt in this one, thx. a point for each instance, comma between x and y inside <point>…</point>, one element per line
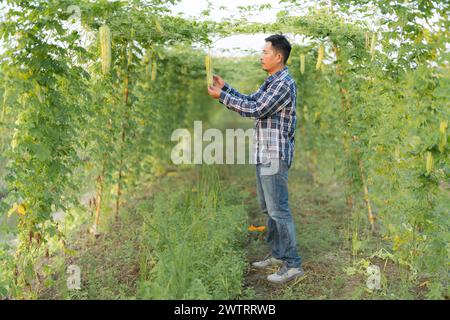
<point>273,107</point>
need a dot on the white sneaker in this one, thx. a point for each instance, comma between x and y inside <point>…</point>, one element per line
<point>266,262</point>
<point>285,274</point>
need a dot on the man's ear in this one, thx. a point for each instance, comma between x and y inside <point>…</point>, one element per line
<point>281,57</point>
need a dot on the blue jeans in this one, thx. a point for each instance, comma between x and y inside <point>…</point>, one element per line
<point>272,189</point>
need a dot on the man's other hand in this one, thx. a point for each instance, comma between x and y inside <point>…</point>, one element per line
<point>218,81</point>
<point>214,91</point>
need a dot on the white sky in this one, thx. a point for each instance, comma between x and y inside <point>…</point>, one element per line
<point>193,8</point>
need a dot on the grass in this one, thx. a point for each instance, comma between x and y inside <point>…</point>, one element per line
<point>172,241</point>
<point>178,227</point>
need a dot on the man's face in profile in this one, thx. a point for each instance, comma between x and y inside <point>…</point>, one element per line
<point>270,58</point>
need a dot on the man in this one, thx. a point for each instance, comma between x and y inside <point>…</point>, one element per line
<point>273,107</point>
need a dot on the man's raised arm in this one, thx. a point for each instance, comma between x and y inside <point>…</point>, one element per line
<point>229,89</point>
<point>269,102</point>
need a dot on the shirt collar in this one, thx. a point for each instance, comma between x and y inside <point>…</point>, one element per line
<point>277,74</point>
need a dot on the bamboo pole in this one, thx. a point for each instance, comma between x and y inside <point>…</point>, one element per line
<point>100,179</point>
<point>123,136</point>
<point>345,106</point>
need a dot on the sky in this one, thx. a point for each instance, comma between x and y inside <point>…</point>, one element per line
<point>195,7</point>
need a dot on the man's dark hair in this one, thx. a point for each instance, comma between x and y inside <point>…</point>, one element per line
<point>281,44</point>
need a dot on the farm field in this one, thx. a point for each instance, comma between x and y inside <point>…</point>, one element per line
<point>119,179</point>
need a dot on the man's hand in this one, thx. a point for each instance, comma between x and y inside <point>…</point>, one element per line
<point>218,81</point>
<point>214,91</point>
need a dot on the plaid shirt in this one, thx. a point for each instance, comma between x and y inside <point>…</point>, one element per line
<point>273,107</point>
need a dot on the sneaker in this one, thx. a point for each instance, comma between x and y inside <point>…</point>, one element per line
<point>267,262</point>
<point>285,274</point>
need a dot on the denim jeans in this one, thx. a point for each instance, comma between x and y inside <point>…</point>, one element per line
<point>272,189</point>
